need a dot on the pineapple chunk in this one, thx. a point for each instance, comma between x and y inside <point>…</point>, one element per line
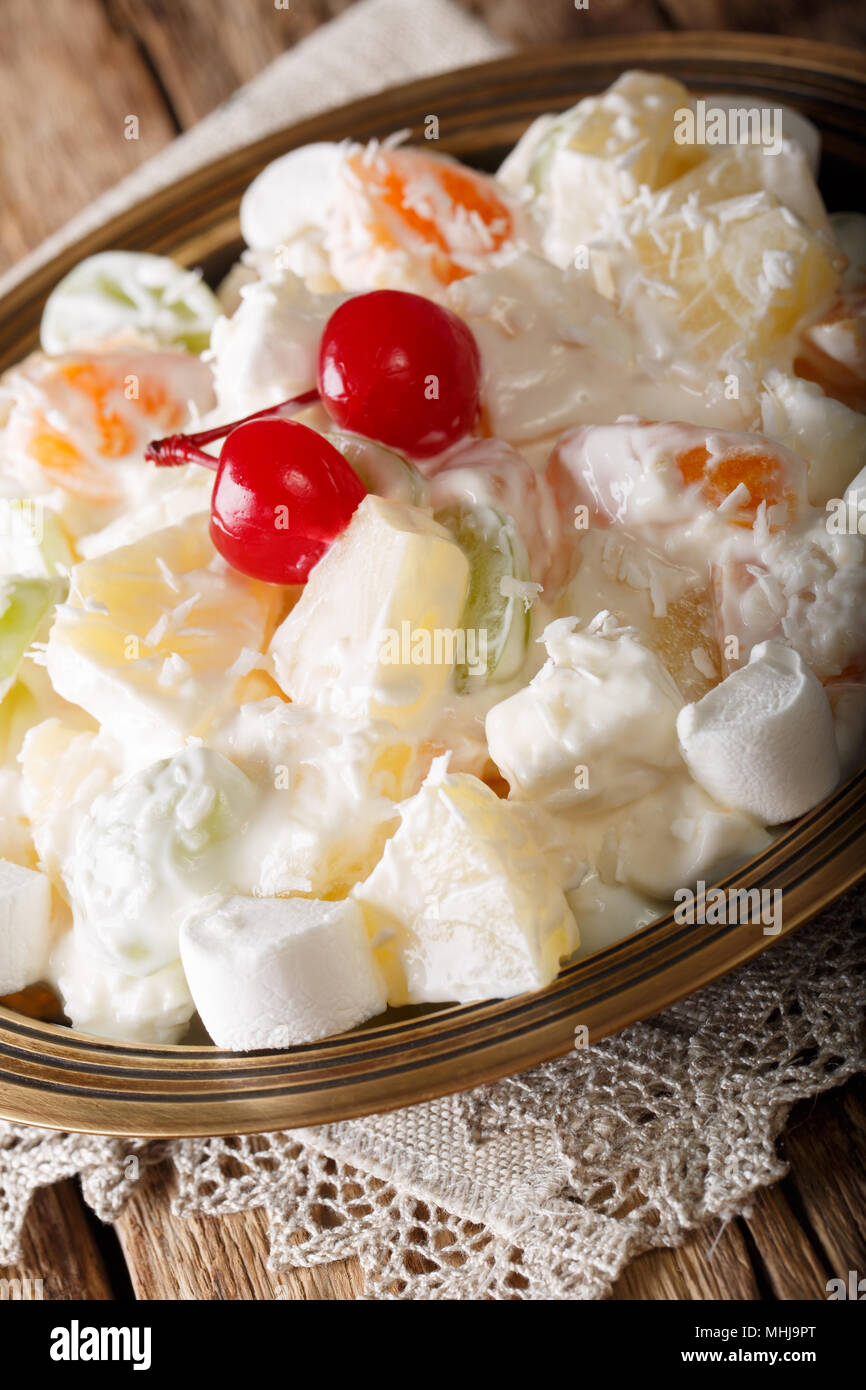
<point>746,273</point>
<point>463,904</point>
<point>373,635</point>
<point>631,126</point>
<point>63,770</point>
<point>148,637</point>
<point>684,638</point>
<point>595,157</point>
<point>741,170</point>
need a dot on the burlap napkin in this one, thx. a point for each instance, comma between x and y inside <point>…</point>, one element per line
<point>544,1185</point>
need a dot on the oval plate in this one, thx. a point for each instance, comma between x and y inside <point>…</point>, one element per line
<point>52,1076</point>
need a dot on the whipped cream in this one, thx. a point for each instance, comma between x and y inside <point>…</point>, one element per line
<point>25,926</point>
<point>597,724</point>
<point>102,1000</point>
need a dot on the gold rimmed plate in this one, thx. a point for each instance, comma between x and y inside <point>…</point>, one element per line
<point>53,1076</point>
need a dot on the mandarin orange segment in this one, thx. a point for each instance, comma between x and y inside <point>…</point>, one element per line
<point>88,377</point>
<point>762,474</point>
<point>66,467</point>
<point>110,412</point>
<point>438,207</point>
<point>117,439</point>
<point>154,400</point>
<point>635,121</point>
<point>853,674</point>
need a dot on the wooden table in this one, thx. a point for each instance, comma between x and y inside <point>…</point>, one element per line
<point>63,143</point>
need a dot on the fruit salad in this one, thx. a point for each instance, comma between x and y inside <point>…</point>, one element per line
<point>481,564</point>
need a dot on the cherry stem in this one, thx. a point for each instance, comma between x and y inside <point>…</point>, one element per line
<point>176,449</point>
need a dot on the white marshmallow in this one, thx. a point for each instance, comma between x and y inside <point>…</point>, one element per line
<point>597,724</point>
<point>463,903</point>
<point>763,741</point>
<point>272,972</point>
<point>25,926</point>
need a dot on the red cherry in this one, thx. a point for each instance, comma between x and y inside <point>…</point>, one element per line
<point>400,369</point>
<point>282,495</point>
<point>392,366</point>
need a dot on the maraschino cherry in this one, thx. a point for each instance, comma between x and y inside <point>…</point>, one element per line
<point>398,368</point>
<point>392,366</point>
<point>282,494</point>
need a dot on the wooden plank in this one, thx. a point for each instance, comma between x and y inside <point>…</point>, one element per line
<point>213,1258</point>
<point>789,1262</point>
<point>59,1248</point>
<point>836,21</point>
<point>63,127</point>
<point>826,1146</point>
<point>711,1263</point>
<point>204,50</point>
